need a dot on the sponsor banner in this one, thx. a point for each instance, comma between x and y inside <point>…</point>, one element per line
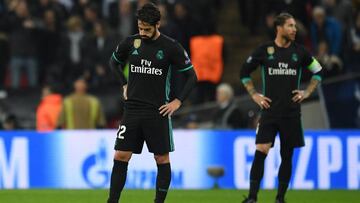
<point>83,159</point>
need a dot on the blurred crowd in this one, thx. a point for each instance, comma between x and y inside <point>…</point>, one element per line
<point>56,41</point>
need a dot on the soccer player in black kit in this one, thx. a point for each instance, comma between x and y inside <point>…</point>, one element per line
<point>151,57</point>
<point>281,61</point>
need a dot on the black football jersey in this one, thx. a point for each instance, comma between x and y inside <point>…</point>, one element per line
<point>281,70</point>
<point>150,65</point>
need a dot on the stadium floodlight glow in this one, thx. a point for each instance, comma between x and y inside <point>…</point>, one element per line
<point>216,172</point>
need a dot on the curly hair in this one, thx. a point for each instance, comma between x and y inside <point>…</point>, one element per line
<point>149,13</point>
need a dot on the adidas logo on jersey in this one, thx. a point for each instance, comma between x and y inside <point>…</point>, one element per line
<point>135,52</point>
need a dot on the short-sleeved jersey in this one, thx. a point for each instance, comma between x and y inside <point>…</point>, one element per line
<point>150,66</point>
<point>281,70</point>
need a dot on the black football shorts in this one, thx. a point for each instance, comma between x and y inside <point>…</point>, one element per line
<point>290,131</point>
<point>154,130</point>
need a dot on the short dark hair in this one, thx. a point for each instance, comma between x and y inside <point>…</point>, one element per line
<point>149,13</point>
<point>281,19</point>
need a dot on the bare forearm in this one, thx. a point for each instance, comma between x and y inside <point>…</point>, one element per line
<point>312,86</point>
<point>249,85</point>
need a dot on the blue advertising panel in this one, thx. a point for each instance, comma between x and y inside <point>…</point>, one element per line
<point>83,159</point>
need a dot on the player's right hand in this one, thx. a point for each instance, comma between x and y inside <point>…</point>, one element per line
<point>169,108</point>
<point>261,100</point>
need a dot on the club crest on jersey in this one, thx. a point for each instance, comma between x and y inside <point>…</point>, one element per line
<point>294,57</point>
<point>160,55</point>
<point>137,43</point>
<point>270,51</point>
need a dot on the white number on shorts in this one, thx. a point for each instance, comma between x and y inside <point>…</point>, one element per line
<point>120,131</point>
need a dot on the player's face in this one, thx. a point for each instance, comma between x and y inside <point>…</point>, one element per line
<point>146,31</point>
<point>288,30</point>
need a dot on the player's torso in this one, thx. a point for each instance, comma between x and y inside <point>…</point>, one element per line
<point>149,73</point>
<point>281,74</point>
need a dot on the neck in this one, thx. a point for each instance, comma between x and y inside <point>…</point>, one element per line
<point>282,42</point>
<point>157,35</point>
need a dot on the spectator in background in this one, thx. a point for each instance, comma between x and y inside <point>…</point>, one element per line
<point>23,44</point>
<point>168,27</point>
<point>331,63</point>
<point>48,110</point>
<point>81,110</point>
<point>10,123</point>
<point>185,23</point>
<point>72,50</point>
<point>42,6</point>
<point>326,29</point>
<point>269,22</point>
<point>98,47</point>
<point>78,7</point>
<point>207,57</point>
<point>121,16</point>
<point>354,45</point>
<point>251,12</point>
<point>228,115</point>
<point>339,9</point>
<point>50,40</point>
<point>4,60</point>
<point>91,15</point>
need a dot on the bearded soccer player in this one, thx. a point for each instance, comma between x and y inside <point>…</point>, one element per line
<point>148,109</point>
<point>281,61</point>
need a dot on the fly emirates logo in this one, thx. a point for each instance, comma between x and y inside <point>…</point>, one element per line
<point>282,70</point>
<point>145,68</point>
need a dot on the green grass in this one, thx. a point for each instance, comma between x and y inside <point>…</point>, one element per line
<point>174,196</point>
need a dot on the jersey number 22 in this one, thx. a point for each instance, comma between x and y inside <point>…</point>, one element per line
<point>120,131</point>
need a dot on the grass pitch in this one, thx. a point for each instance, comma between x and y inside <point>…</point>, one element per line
<point>174,196</point>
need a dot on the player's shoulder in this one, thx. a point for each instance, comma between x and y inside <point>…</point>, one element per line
<point>131,38</point>
<point>170,42</point>
<point>261,49</point>
<point>127,42</point>
<point>299,47</point>
<point>168,39</point>
<point>265,45</point>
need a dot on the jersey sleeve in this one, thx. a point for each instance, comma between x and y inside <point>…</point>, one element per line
<point>121,52</point>
<point>251,63</point>
<point>182,64</point>
<point>119,58</point>
<point>180,59</point>
<point>312,65</point>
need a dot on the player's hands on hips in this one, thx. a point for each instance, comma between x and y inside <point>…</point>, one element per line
<point>169,108</point>
<point>261,100</point>
<point>125,92</point>
<point>300,95</point>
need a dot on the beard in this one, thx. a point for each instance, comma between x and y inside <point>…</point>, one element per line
<point>288,38</point>
<point>147,38</point>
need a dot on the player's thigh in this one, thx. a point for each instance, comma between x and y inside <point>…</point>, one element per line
<point>158,135</point>
<point>266,130</point>
<point>129,136</point>
<point>291,132</point>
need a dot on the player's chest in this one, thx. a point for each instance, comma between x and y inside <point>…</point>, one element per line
<point>149,56</point>
<point>282,62</point>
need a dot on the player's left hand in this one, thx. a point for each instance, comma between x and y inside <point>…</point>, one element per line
<point>300,95</point>
<point>169,108</point>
